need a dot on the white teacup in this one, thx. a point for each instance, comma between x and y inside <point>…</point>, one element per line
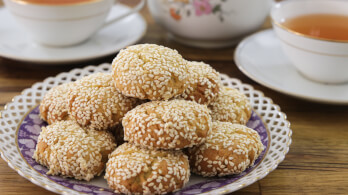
<point>210,23</point>
<point>318,59</point>
<point>63,24</point>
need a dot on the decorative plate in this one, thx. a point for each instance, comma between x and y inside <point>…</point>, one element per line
<point>21,126</point>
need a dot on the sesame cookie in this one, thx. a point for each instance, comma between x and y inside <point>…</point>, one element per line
<point>67,149</point>
<point>229,149</point>
<point>230,105</point>
<point>136,170</point>
<point>54,105</point>
<point>203,83</point>
<point>174,124</point>
<point>149,71</point>
<point>95,103</point>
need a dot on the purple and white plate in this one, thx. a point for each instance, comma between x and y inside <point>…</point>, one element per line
<point>21,126</point>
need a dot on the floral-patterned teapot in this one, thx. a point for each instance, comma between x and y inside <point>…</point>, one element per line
<point>210,23</point>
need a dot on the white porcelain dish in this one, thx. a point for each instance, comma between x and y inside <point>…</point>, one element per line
<point>261,58</point>
<point>58,25</point>
<point>20,126</point>
<point>15,43</point>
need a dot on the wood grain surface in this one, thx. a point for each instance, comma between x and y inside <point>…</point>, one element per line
<point>316,164</point>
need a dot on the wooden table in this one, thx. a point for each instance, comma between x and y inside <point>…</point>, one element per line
<point>316,164</point>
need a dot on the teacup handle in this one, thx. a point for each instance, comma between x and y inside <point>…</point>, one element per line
<point>132,11</point>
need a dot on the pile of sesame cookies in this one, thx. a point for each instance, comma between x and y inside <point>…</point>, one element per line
<point>175,116</point>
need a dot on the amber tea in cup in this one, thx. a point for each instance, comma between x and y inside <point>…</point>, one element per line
<point>324,26</point>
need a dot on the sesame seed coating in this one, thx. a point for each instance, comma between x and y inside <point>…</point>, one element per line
<point>173,124</point>
<point>149,71</point>
<point>95,103</point>
<point>135,170</point>
<point>203,83</point>
<point>230,105</point>
<point>54,105</point>
<point>229,149</point>
<point>67,149</point>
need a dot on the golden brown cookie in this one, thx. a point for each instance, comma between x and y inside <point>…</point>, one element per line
<point>54,105</point>
<point>203,83</point>
<point>135,170</point>
<point>95,103</point>
<point>230,105</point>
<point>149,71</point>
<point>229,149</point>
<point>67,149</point>
<point>174,124</point>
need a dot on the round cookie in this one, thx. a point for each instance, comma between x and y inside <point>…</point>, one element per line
<point>95,103</point>
<point>203,83</point>
<point>174,124</point>
<point>230,105</point>
<point>149,71</point>
<point>54,105</point>
<point>67,149</point>
<point>136,170</point>
<point>229,149</point>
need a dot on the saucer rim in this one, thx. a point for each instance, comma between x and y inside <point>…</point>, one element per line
<point>71,60</point>
<point>241,66</point>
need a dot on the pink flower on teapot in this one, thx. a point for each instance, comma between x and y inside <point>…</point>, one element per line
<point>202,7</point>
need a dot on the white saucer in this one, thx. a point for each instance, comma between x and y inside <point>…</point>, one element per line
<point>15,43</point>
<point>261,58</point>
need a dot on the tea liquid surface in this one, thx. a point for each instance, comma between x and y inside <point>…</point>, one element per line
<point>325,26</point>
